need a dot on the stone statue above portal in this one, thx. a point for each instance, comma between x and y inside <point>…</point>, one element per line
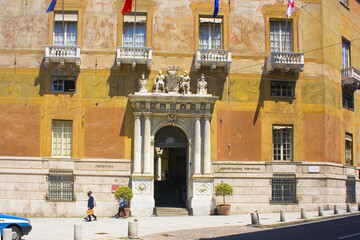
<point>185,83</point>
<point>202,85</point>
<point>159,85</point>
<point>143,84</point>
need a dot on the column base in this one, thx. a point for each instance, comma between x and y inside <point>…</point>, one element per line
<point>143,203</point>
<point>203,206</point>
<point>202,203</point>
<point>142,207</point>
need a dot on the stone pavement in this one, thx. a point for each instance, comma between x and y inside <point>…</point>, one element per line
<point>184,227</point>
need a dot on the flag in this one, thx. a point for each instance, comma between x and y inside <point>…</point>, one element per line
<point>127,6</point>
<point>216,8</point>
<point>291,8</point>
<point>51,6</point>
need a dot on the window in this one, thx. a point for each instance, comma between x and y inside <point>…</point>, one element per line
<point>61,138</point>
<point>63,84</point>
<point>210,33</point>
<point>282,143</point>
<point>348,99</point>
<point>351,190</point>
<point>345,54</point>
<point>349,148</point>
<point>282,89</point>
<point>69,29</point>
<point>281,36</point>
<point>61,186</point>
<point>283,188</point>
<point>139,25</point>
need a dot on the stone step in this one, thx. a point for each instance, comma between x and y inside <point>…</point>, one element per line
<point>171,211</point>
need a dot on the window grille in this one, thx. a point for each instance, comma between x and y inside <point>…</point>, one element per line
<point>61,186</point>
<point>349,148</point>
<point>351,190</point>
<point>283,188</point>
<point>281,39</point>
<point>282,89</point>
<point>282,143</point>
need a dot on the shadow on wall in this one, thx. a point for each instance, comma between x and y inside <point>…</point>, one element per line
<point>123,80</point>
<point>40,80</point>
<point>265,88</point>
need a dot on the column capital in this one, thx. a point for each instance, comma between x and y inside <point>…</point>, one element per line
<point>147,115</point>
<point>137,114</point>
<point>207,116</point>
<point>197,117</point>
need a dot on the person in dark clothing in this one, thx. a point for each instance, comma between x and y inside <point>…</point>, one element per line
<point>121,208</point>
<point>91,205</point>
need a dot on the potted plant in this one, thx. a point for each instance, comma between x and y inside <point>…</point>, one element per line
<point>127,195</point>
<point>223,189</point>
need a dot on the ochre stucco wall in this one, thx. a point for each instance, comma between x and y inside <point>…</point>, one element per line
<point>19,130</point>
<point>236,129</point>
<point>104,132</point>
<point>315,149</point>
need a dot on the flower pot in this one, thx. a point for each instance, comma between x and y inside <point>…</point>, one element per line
<point>224,209</point>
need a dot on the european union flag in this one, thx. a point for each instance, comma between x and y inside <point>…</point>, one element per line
<point>51,6</point>
<point>216,8</point>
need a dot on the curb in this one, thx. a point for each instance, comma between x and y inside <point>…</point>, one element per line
<point>300,221</point>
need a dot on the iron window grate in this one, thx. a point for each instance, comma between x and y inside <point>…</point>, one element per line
<point>350,190</point>
<point>61,186</point>
<point>283,188</point>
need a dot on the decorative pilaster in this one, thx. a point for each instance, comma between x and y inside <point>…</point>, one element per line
<point>207,146</point>
<point>147,144</point>
<point>197,147</point>
<point>137,143</point>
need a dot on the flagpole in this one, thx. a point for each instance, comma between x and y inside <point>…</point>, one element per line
<point>134,35</point>
<point>63,21</point>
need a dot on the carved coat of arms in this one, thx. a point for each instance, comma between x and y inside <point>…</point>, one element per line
<point>172,79</point>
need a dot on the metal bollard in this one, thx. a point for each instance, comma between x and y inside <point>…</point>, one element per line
<point>348,207</point>
<point>254,218</point>
<point>303,213</point>
<point>7,234</point>
<point>359,206</point>
<point>282,216</point>
<point>77,232</point>
<point>321,212</point>
<point>133,229</point>
<point>336,209</point>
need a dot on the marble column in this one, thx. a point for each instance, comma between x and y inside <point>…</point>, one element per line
<point>147,144</point>
<point>207,147</point>
<point>197,147</point>
<point>159,152</point>
<point>137,143</point>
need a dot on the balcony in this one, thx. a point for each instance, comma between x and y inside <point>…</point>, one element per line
<point>350,78</point>
<point>134,55</point>
<point>62,54</point>
<point>285,62</point>
<point>213,58</point>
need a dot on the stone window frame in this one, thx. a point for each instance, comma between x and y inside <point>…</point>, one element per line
<point>60,186</point>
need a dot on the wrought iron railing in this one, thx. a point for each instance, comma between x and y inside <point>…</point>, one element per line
<point>283,188</point>
<point>350,190</point>
<point>61,186</point>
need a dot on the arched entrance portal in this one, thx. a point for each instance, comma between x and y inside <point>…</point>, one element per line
<point>170,186</point>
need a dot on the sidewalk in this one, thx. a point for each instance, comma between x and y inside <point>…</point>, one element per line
<point>184,227</point>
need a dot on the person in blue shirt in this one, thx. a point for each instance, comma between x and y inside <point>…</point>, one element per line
<point>91,205</point>
<point>121,207</point>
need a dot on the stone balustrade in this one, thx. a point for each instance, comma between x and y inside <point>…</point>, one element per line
<point>63,54</point>
<point>286,61</point>
<point>351,78</point>
<point>134,55</point>
<point>213,58</point>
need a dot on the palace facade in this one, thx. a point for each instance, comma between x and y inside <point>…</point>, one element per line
<point>172,101</point>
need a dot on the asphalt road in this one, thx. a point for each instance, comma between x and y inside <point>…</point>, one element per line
<point>347,228</point>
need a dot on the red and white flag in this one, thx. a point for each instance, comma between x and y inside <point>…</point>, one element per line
<point>291,8</point>
<point>127,6</point>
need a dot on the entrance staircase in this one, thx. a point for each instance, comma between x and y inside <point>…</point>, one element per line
<point>170,211</point>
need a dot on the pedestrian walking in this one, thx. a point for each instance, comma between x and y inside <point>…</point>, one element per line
<point>91,205</point>
<point>121,207</point>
